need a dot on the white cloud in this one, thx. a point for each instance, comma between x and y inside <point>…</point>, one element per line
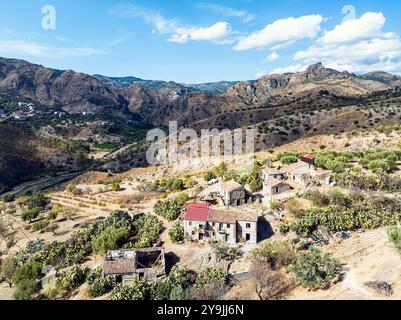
<point>216,32</point>
<point>261,74</point>
<point>274,56</point>
<point>282,31</point>
<point>289,69</point>
<point>367,26</point>
<point>356,46</point>
<point>179,33</point>
<point>227,11</point>
<point>355,57</point>
<point>35,49</point>
<point>160,23</point>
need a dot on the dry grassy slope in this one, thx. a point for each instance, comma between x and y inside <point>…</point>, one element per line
<point>23,156</point>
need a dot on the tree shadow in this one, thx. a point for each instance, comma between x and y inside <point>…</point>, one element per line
<point>171,260</point>
<point>265,230</point>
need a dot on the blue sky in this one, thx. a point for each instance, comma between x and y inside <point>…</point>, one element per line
<point>201,41</point>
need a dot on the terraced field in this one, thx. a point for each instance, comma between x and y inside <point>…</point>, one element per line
<point>360,245</point>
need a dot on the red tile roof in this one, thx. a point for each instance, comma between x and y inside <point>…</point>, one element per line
<point>308,156</point>
<point>197,212</point>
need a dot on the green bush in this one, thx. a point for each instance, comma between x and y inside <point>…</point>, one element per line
<point>180,276</point>
<point>221,170</point>
<point>28,271</point>
<point>72,278</point>
<point>40,225</point>
<point>8,197</point>
<point>177,293</point>
<point>315,270</point>
<point>171,185</point>
<point>147,229</point>
<point>289,160</point>
<point>394,236</point>
<point>25,277</point>
<point>209,176</point>
<point>110,239</point>
<point>7,269</point>
<point>222,250</point>
<point>176,233</point>
<point>37,200</point>
<point>284,229</point>
<point>137,290</point>
<point>52,215</point>
<point>275,254</point>
<point>115,186</point>
<point>30,214</point>
<point>378,166</point>
<point>211,276</point>
<point>161,289</point>
<point>169,209</point>
<point>101,286</point>
<point>26,289</point>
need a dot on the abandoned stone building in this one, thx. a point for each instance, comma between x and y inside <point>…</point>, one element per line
<point>302,174</point>
<point>234,194</point>
<point>126,265</point>
<point>203,223</point>
<point>274,187</point>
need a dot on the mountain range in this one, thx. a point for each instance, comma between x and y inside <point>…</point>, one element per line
<point>282,107</point>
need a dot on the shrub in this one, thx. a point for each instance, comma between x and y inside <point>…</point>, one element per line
<point>7,269</point>
<point>294,207</point>
<point>169,185</point>
<point>115,186</point>
<point>284,229</point>
<point>211,276</point>
<point>338,198</point>
<point>30,214</point>
<point>182,199</point>
<point>52,215</point>
<point>177,293</point>
<point>26,289</point>
<point>25,278</point>
<point>176,233</point>
<point>160,290</point>
<point>137,290</point>
<point>177,185</point>
<point>72,278</point>
<point>275,204</point>
<point>378,166</point>
<point>169,209</point>
<point>110,239</point>
<point>40,225</point>
<point>282,155</point>
<point>8,197</point>
<point>394,236</point>
<point>209,176</point>
<point>180,276</point>
<point>37,200</point>
<point>28,271</point>
<point>315,270</point>
<point>289,159</point>
<point>318,198</point>
<point>147,230</point>
<point>223,251</point>
<point>221,170</point>
<point>274,254</point>
<point>101,286</point>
